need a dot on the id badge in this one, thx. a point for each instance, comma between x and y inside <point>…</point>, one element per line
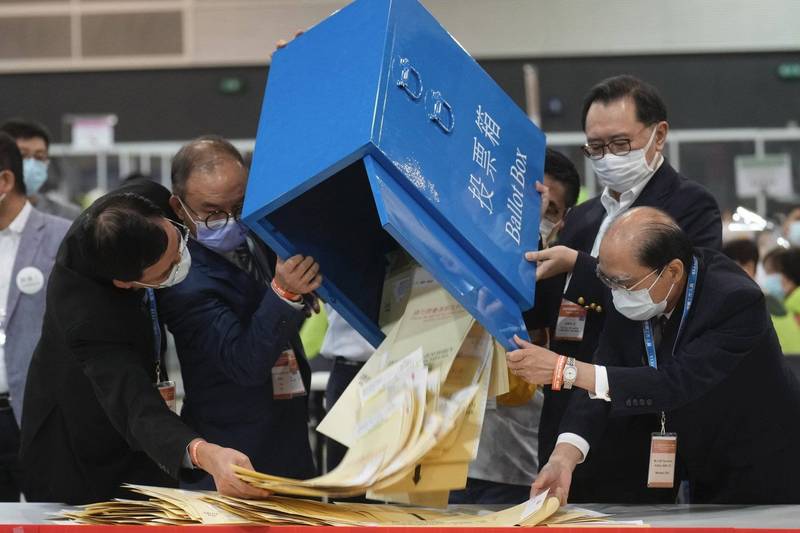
<point>661,473</point>
<point>571,322</point>
<point>167,391</point>
<point>287,382</point>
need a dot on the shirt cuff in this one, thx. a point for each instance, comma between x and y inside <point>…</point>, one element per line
<point>600,384</point>
<point>187,460</point>
<point>577,441</point>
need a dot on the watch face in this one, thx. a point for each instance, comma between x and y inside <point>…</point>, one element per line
<point>570,373</point>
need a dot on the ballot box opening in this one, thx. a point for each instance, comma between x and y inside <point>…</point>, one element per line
<point>337,223</point>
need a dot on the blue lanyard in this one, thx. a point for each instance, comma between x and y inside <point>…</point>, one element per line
<point>647,327</point>
<point>151,299</point>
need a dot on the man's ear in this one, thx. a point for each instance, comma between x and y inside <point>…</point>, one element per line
<point>661,135</point>
<point>676,268</point>
<point>7,181</point>
<point>176,206</point>
<point>122,284</point>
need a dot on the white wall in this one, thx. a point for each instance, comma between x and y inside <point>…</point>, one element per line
<point>243,32</point>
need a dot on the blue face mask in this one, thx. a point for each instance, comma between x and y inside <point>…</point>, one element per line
<point>773,286</point>
<point>34,173</point>
<point>794,233</point>
<point>221,238</point>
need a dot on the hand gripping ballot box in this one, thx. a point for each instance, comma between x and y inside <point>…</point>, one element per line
<point>377,132</point>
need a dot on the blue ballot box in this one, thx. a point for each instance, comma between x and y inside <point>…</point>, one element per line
<point>379,131</point>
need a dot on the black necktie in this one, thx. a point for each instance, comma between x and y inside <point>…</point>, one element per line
<point>248,264</point>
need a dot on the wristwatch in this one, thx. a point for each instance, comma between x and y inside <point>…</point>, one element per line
<point>570,373</point>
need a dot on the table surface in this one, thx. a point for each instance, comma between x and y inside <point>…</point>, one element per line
<point>704,516</point>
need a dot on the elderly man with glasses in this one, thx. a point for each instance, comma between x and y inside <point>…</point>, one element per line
<point>236,320</point>
<point>625,121</point>
<point>689,360</point>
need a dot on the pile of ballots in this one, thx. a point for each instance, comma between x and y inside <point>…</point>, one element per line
<point>166,506</point>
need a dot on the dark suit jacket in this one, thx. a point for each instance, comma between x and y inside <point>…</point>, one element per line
<point>726,391</point>
<point>696,211</point>
<point>229,330</point>
<point>92,419</point>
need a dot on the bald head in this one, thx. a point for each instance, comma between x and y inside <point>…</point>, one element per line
<point>641,242</point>
<point>635,228</point>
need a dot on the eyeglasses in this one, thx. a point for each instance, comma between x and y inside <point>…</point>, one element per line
<point>183,235</point>
<point>216,219</point>
<point>598,150</point>
<point>618,284</point>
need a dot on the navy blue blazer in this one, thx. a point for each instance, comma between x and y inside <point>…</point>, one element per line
<point>726,391</point>
<point>697,213</point>
<point>229,331</point>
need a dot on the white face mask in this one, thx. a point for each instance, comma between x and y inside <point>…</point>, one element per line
<point>546,229</point>
<point>178,273</point>
<point>621,173</point>
<point>638,304</point>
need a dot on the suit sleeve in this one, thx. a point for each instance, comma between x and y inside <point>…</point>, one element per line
<point>698,366</point>
<point>244,351</point>
<point>127,395</point>
<point>584,416</point>
<point>585,283</point>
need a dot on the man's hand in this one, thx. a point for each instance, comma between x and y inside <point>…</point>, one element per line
<point>532,363</point>
<point>281,43</point>
<point>556,475</point>
<point>217,461</point>
<point>298,274</point>
<point>553,261</point>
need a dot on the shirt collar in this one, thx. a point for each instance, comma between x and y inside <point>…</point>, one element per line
<point>18,224</point>
<point>626,199</point>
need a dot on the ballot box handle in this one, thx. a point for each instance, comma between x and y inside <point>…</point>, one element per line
<point>408,72</point>
<point>441,112</point>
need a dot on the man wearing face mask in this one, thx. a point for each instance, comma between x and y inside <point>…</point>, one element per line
<point>236,320</point>
<point>625,121</point>
<point>96,411</point>
<point>28,244</point>
<point>33,141</point>
<point>690,360</point>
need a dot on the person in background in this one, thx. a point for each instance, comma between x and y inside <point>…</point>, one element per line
<point>29,241</point>
<point>33,141</point>
<point>791,227</point>
<point>348,351</point>
<point>96,411</point>
<point>745,253</point>
<point>508,457</point>
<point>236,318</point>
<point>772,283</point>
<point>626,127</point>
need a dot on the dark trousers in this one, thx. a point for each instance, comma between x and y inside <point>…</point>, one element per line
<point>342,373</point>
<point>484,492</point>
<point>10,474</point>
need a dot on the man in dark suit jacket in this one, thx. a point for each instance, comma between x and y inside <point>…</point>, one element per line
<point>626,129</point>
<point>715,375</point>
<point>235,326</point>
<point>92,417</point>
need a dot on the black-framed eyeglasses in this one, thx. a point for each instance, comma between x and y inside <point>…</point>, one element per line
<point>216,219</point>
<point>612,283</point>
<point>597,150</point>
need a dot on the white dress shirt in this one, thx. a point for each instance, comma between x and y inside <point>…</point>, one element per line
<point>342,340</point>
<point>9,245</point>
